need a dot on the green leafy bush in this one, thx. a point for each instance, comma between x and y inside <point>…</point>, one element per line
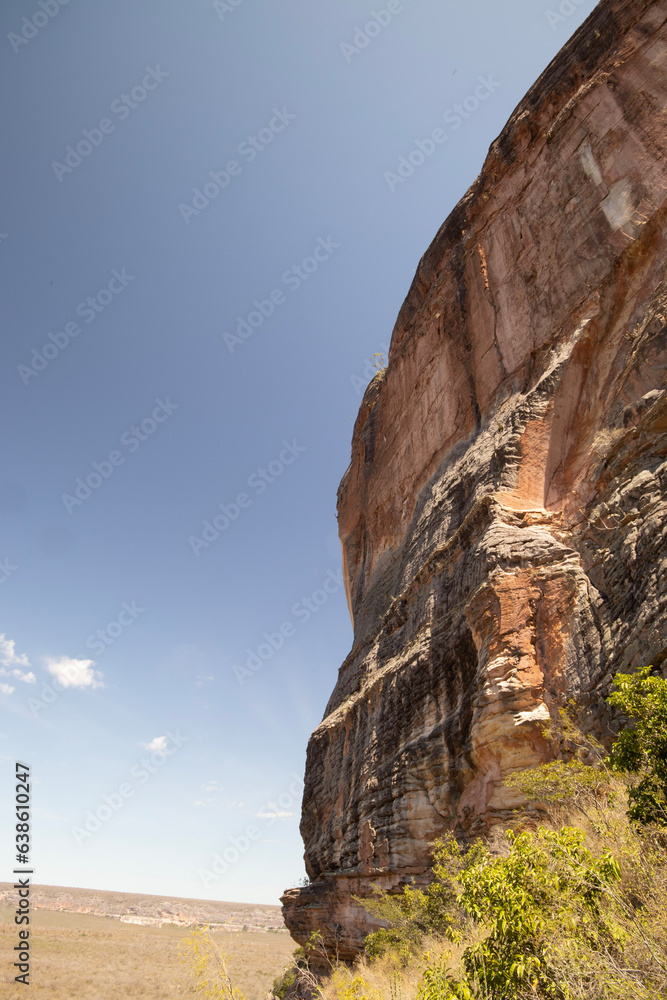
<point>414,912</point>
<point>642,748</point>
<point>565,912</point>
<point>549,920</point>
<point>281,984</point>
<point>550,884</point>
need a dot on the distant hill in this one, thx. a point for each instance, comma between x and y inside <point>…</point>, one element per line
<point>132,907</point>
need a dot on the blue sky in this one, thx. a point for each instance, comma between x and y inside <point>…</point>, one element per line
<point>204,236</point>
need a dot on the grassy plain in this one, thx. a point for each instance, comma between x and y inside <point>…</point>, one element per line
<point>84,957</point>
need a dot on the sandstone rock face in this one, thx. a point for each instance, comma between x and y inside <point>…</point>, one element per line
<point>503,517</point>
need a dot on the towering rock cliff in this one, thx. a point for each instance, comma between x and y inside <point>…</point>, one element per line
<point>503,516</point>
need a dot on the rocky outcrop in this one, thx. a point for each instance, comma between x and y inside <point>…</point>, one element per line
<point>503,517</point>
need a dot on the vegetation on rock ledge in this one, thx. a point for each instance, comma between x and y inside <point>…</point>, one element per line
<point>574,907</point>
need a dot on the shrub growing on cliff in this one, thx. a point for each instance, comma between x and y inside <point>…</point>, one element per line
<point>379,361</point>
<point>415,913</point>
<point>528,909</point>
<point>282,983</point>
<point>542,901</point>
<point>639,754</point>
<point>564,915</point>
<point>567,913</point>
<point>299,966</point>
<point>641,749</point>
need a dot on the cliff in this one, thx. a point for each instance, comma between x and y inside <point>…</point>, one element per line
<point>503,516</point>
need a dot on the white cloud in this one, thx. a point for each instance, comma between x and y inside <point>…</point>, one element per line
<point>28,678</point>
<point>11,662</point>
<point>8,656</point>
<point>273,815</point>
<point>158,745</point>
<point>70,672</point>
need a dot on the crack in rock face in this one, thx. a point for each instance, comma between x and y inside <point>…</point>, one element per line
<point>504,516</point>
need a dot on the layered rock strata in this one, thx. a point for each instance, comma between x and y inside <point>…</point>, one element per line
<point>503,516</point>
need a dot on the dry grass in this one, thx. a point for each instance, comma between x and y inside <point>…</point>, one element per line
<point>82,957</point>
<point>383,979</point>
<point>386,978</point>
<point>636,904</point>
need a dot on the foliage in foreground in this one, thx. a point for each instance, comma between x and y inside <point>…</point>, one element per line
<point>518,920</point>
<point>567,913</point>
<point>282,983</point>
<point>642,748</point>
<point>208,966</point>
